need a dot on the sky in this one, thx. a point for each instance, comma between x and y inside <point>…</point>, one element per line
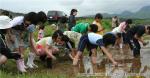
<point>84,7</point>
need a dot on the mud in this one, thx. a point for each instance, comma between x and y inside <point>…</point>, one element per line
<point>128,65</point>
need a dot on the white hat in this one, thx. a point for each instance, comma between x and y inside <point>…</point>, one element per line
<point>4,22</point>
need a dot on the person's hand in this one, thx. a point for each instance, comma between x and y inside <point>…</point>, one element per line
<point>115,63</point>
<point>75,61</point>
<point>22,56</point>
<point>54,58</point>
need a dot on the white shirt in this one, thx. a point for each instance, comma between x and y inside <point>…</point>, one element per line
<point>93,37</point>
<point>17,21</point>
<point>45,41</point>
<point>120,28</point>
<point>116,30</point>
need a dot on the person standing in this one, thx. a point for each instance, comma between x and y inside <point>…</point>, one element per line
<point>72,19</point>
<point>115,22</point>
<point>98,22</point>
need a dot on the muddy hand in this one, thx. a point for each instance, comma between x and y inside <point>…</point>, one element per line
<point>54,58</point>
<point>115,63</point>
<point>75,61</point>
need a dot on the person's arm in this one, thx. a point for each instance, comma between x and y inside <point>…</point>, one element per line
<point>32,42</point>
<point>140,39</point>
<point>138,36</point>
<point>108,55</point>
<point>48,50</point>
<point>71,48</point>
<point>31,29</point>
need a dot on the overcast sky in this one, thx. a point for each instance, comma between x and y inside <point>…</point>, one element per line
<point>85,7</point>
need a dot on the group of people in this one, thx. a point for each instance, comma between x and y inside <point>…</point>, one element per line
<point>17,34</point>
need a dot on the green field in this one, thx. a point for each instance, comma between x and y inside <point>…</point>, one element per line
<point>62,69</point>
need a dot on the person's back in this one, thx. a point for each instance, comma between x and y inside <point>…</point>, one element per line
<point>93,37</point>
<point>136,30</point>
<point>44,41</point>
<point>73,36</point>
<point>116,30</point>
<point>81,28</point>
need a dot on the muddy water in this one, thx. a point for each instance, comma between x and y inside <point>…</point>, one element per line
<point>128,65</point>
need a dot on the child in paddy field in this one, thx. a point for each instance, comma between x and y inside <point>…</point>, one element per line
<point>98,22</point>
<point>134,35</point>
<point>115,22</point>
<point>123,28</point>
<point>46,48</point>
<point>92,40</point>
<point>118,33</point>
<point>23,28</point>
<point>69,41</point>
<point>41,32</point>
<point>72,19</point>
<point>73,36</point>
<point>62,24</point>
<point>5,52</point>
<point>31,56</point>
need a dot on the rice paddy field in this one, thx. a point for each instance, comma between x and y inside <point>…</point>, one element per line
<point>62,67</point>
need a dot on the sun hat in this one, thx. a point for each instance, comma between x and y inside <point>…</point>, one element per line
<point>4,22</point>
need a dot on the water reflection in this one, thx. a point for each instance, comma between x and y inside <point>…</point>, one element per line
<point>128,66</point>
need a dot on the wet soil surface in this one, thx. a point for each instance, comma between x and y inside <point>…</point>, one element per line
<point>129,67</point>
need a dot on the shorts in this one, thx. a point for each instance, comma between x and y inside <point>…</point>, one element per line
<point>40,49</point>
<point>6,52</point>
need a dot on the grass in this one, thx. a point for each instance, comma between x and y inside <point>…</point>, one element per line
<point>62,68</point>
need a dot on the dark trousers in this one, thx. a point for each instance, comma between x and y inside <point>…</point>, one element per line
<point>135,46</point>
<point>124,36</point>
<point>84,43</point>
